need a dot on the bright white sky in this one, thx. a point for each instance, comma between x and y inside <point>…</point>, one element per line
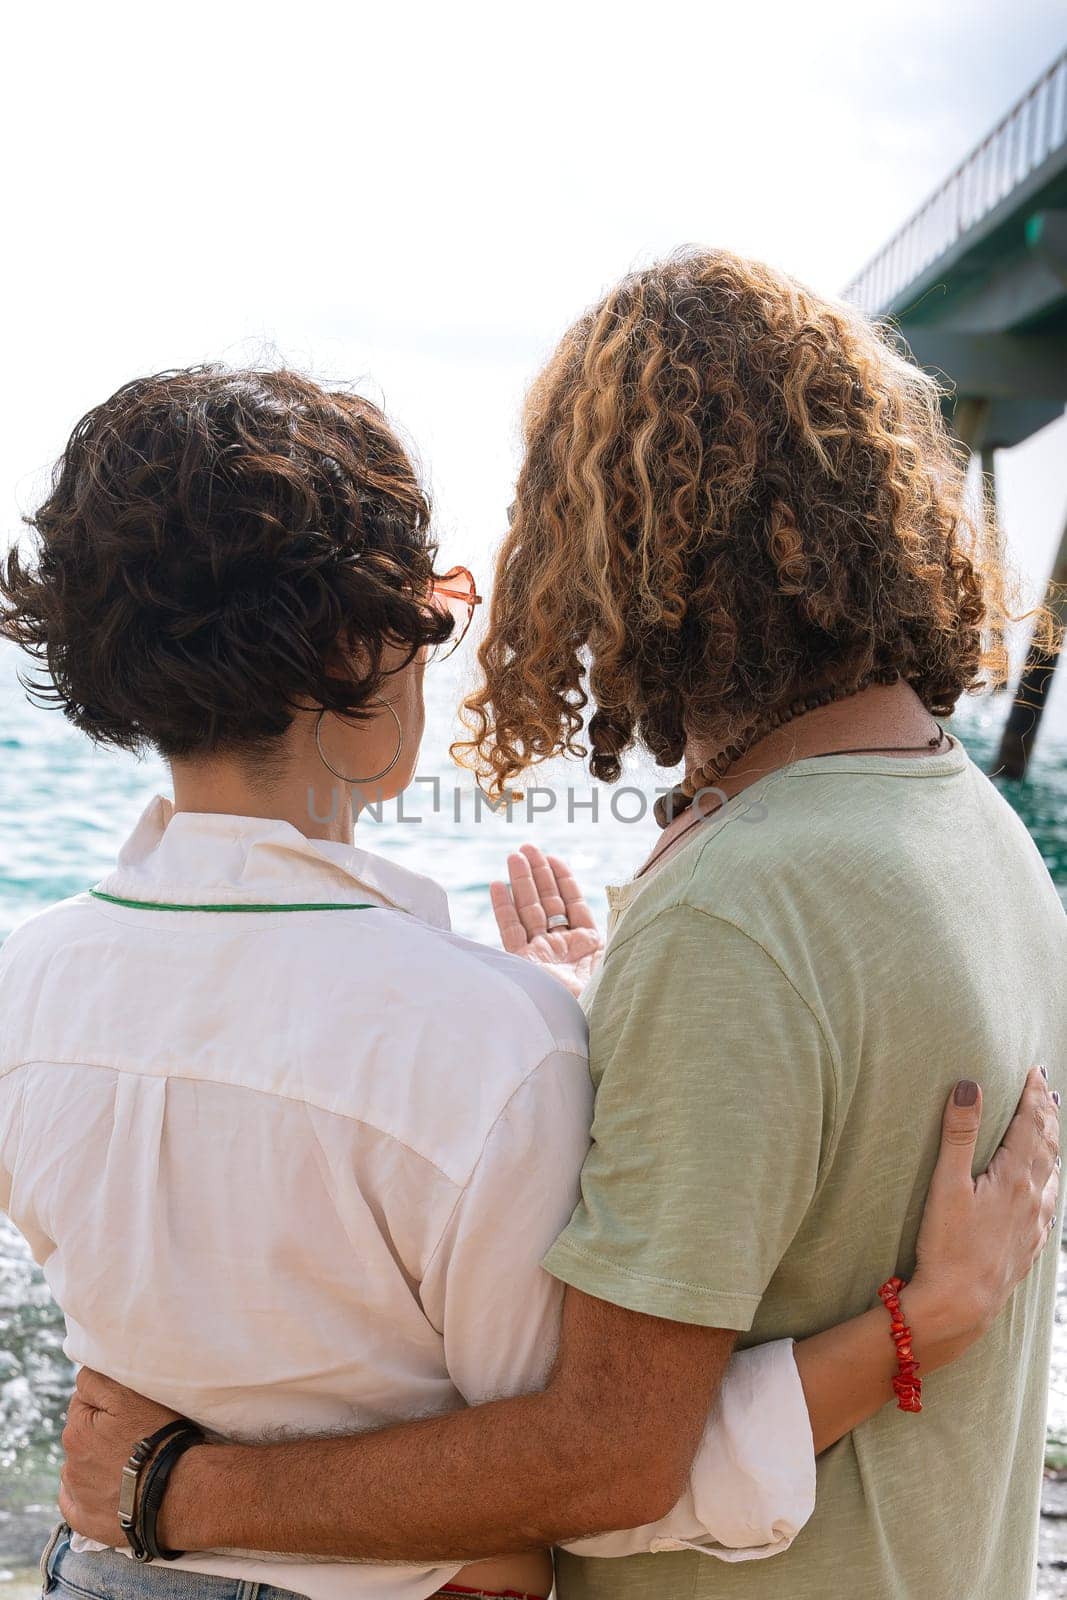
<point>422,196</point>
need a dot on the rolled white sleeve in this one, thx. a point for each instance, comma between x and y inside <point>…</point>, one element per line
<point>752,1485</point>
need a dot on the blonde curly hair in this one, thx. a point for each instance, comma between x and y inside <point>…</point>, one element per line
<point>734,491</point>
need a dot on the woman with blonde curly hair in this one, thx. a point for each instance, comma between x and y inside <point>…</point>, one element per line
<point>739,536</point>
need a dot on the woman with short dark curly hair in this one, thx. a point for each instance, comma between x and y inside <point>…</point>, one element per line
<point>220,548</point>
<point>291,1152</point>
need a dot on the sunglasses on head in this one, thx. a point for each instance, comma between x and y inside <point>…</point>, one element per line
<point>454,595</point>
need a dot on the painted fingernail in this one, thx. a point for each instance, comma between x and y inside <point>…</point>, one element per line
<point>1059,1163</point>
<point>966,1092</point>
<point>1056,1096</point>
<point>1044,1073</point>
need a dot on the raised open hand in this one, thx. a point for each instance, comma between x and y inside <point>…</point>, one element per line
<point>542,916</point>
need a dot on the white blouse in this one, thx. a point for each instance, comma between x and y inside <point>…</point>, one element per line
<point>289,1152</point>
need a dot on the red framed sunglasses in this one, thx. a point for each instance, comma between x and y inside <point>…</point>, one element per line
<point>456,595</point>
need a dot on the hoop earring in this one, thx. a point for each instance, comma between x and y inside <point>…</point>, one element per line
<point>375,776</point>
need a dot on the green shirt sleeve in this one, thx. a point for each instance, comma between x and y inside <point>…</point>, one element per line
<point>715,1100</point>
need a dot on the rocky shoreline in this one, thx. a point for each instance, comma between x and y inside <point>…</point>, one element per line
<point>1052,1554</point>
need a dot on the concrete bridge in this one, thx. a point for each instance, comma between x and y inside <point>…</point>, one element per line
<point>976,281</point>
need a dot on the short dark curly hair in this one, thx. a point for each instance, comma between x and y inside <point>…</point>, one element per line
<point>220,547</point>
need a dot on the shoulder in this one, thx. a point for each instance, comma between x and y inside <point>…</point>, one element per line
<point>692,965</point>
<point>711,874</point>
<point>26,958</point>
<point>453,1033</point>
<point>778,848</point>
<point>47,929</point>
<point>704,893</point>
<point>381,1019</point>
<point>706,955</point>
<point>431,1037</point>
<point>505,1009</point>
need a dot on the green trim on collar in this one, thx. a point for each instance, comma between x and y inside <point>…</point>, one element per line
<point>159,905</point>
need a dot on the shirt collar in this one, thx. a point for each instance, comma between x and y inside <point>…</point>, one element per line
<point>194,857</point>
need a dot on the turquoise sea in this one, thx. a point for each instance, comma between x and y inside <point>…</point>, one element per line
<point>65,808</point>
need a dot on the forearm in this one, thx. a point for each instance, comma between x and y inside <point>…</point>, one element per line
<point>510,1476</point>
<point>847,1372</point>
<point>497,1479</point>
<point>506,1477</point>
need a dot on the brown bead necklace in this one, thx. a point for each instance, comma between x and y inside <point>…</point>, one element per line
<point>681,797</point>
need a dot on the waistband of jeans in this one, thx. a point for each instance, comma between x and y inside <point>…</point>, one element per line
<point>488,1594</point>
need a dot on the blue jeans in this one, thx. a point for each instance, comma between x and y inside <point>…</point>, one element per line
<point>106,1575</point>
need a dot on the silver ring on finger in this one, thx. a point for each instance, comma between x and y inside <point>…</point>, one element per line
<point>558,921</point>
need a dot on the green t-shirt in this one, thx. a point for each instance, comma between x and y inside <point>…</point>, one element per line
<point>780,1016</point>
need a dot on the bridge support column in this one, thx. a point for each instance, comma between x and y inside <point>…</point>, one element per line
<point>991,512</point>
<point>1031,697</point>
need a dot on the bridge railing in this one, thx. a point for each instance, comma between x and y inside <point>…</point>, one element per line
<point>1019,143</point>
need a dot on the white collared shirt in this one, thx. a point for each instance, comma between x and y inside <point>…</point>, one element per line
<point>290,1152</point>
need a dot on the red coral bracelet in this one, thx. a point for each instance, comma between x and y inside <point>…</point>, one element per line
<point>907,1385</point>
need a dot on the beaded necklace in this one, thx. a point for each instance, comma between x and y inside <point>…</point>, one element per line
<point>681,797</point>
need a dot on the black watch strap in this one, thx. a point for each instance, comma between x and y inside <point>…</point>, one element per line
<point>156,1478</point>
